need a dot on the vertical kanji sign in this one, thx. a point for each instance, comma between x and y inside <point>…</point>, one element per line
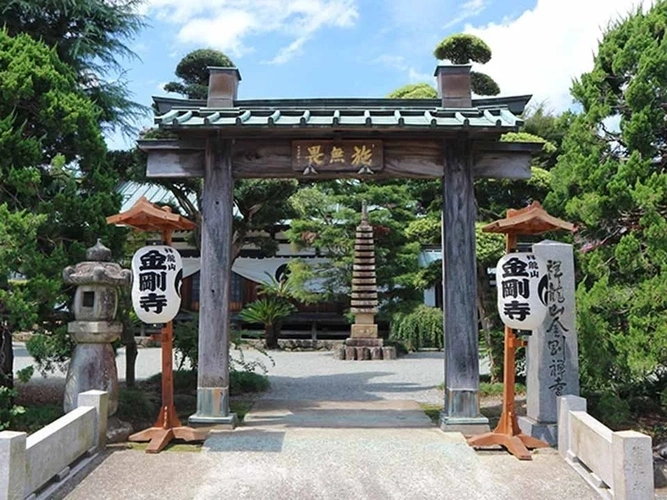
<point>522,283</point>
<point>156,285</point>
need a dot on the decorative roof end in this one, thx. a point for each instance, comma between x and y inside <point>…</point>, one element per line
<point>454,85</point>
<point>223,86</point>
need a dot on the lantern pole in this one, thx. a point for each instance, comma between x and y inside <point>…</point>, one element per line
<point>530,220</point>
<point>147,217</point>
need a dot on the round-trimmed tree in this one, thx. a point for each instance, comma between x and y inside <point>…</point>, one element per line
<point>462,48</point>
<point>193,72</point>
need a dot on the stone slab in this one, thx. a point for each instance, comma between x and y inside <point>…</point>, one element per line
<point>545,432</point>
<point>388,353</point>
<point>552,359</point>
<point>364,331</point>
<point>364,342</point>
<point>12,465</point>
<point>591,444</point>
<point>363,354</point>
<point>54,447</point>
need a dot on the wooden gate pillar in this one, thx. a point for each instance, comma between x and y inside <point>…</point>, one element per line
<point>461,410</point>
<point>216,264</point>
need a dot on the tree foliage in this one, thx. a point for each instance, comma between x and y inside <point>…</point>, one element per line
<point>56,188</point>
<point>463,48</point>
<point>91,37</point>
<point>483,84</point>
<point>193,72</point>
<point>420,328</point>
<point>414,91</point>
<point>259,204</point>
<point>611,179</point>
<point>327,216</point>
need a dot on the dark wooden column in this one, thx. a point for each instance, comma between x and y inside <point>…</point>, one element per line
<point>461,411</point>
<point>214,295</point>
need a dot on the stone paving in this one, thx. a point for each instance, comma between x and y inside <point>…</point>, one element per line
<point>336,430</point>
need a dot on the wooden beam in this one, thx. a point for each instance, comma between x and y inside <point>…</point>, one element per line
<point>273,159</point>
<point>502,165</point>
<point>174,163</point>
<point>410,158</point>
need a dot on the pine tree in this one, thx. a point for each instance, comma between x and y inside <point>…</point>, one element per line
<point>55,188</point>
<point>611,179</point>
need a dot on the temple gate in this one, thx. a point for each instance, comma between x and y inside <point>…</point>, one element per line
<point>454,137</point>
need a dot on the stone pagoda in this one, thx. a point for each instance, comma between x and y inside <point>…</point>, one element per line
<point>93,364</point>
<point>364,342</point>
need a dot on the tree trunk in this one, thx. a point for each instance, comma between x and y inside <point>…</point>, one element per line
<point>483,293</point>
<point>271,336</point>
<point>6,358</point>
<point>130,362</point>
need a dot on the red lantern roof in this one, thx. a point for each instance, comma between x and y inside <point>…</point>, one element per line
<point>530,220</point>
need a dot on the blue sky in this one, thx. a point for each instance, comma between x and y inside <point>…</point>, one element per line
<point>367,48</point>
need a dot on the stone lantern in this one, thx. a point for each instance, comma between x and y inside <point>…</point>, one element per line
<point>93,364</point>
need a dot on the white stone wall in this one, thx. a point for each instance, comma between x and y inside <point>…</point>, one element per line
<point>617,464</point>
<point>29,463</point>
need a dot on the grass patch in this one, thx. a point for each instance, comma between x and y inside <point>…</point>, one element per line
<point>174,447</point>
<point>140,405</point>
<point>432,411</point>
<point>36,417</point>
<point>241,408</point>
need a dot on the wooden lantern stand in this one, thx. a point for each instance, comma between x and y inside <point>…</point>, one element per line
<point>144,216</point>
<point>531,220</point>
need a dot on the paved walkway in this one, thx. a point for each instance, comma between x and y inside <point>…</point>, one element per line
<point>336,430</point>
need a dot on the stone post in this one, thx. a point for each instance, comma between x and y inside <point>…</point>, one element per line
<point>93,364</point>
<point>567,404</point>
<point>459,282</point>
<point>12,465</point>
<point>552,362</point>
<point>632,465</point>
<point>100,401</point>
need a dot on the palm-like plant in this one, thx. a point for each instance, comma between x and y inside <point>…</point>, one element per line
<point>268,311</point>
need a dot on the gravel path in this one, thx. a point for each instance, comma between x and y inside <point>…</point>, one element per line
<point>310,375</point>
<point>318,376</point>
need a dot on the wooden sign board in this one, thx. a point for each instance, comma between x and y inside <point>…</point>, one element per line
<point>360,156</point>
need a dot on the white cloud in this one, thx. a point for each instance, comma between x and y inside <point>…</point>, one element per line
<point>227,24</point>
<point>416,76</point>
<point>469,9</point>
<point>392,61</point>
<point>543,49</point>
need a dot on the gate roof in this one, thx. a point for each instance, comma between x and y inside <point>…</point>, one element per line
<point>491,114</point>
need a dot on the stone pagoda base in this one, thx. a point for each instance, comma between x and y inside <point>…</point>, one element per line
<point>364,349</point>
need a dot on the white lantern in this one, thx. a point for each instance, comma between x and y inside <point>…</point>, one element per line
<point>156,285</point>
<point>522,283</point>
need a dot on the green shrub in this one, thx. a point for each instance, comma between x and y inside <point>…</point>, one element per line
<point>186,347</point>
<point>243,382</point>
<point>137,404</point>
<point>34,418</point>
<point>185,381</point>
<point>8,410</point>
<point>611,410</point>
<point>421,328</point>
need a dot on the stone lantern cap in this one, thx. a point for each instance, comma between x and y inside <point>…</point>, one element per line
<point>97,269</point>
